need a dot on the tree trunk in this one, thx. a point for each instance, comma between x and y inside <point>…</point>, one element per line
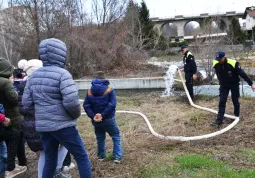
<point>37,23</point>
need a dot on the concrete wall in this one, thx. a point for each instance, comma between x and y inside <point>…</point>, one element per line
<point>127,83</point>
<point>227,48</point>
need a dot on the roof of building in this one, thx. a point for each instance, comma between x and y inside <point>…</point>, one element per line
<point>250,11</point>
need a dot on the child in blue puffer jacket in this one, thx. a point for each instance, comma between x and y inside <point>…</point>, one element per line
<point>100,106</point>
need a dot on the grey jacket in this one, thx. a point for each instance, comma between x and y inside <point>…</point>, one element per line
<point>51,90</point>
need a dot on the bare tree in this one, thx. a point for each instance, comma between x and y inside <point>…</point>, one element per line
<point>50,18</point>
<point>207,44</point>
<point>90,46</point>
<point>107,12</point>
<point>26,22</point>
<point>12,32</point>
<point>133,26</point>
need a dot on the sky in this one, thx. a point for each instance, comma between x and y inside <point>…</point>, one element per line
<point>170,8</point>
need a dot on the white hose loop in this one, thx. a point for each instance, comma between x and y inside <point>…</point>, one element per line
<point>182,138</point>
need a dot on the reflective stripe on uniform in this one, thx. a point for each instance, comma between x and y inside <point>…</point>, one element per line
<point>229,61</point>
<point>108,90</point>
<point>232,62</point>
<point>189,53</point>
<point>215,62</point>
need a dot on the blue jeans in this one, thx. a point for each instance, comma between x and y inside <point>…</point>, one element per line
<point>69,138</point>
<point>112,129</point>
<point>62,151</point>
<point>3,158</point>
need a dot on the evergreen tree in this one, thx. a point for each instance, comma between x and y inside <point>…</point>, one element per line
<point>236,33</point>
<point>132,10</point>
<point>141,28</point>
<point>148,32</point>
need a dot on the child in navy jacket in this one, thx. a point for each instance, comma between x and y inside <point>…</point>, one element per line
<point>100,106</point>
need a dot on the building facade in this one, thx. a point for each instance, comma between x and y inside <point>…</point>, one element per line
<point>249,16</point>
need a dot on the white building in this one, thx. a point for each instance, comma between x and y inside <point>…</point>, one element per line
<point>249,16</point>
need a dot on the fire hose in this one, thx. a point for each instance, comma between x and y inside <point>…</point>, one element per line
<point>184,138</point>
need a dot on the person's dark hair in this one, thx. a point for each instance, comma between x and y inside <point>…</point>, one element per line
<point>99,74</point>
<point>17,73</point>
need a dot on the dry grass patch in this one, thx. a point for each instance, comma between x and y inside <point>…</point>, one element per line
<point>169,116</point>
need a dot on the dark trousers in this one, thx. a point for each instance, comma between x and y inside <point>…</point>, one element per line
<point>67,160</point>
<point>15,146</point>
<point>21,152</point>
<point>224,91</point>
<point>189,84</point>
<point>69,138</point>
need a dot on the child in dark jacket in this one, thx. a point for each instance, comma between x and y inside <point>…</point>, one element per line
<point>19,74</point>
<point>9,99</point>
<point>100,106</point>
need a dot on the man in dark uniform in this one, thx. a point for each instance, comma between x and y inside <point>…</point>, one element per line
<point>190,69</point>
<point>228,72</point>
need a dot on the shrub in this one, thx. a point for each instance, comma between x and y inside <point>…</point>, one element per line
<point>178,44</point>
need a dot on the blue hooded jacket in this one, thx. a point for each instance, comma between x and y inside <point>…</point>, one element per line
<point>100,99</point>
<point>51,91</point>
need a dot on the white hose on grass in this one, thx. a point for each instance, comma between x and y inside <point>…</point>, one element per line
<point>182,138</point>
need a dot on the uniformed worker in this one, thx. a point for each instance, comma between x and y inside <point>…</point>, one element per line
<point>228,72</point>
<point>190,69</point>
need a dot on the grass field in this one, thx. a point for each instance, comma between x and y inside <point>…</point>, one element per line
<point>230,155</point>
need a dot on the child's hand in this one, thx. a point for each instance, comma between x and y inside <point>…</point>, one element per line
<point>11,79</point>
<point>97,118</point>
<point>7,122</point>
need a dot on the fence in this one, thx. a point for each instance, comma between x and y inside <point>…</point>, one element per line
<point>248,66</point>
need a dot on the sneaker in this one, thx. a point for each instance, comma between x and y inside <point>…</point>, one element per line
<point>18,170</point>
<point>20,166</point>
<point>72,165</point>
<point>117,161</point>
<point>68,168</point>
<point>101,158</point>
<point>216,123</point>
<point>60,174</point>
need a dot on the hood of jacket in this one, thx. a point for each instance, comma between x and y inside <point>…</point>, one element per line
<point>6,69</point>
<point>53,52</point>
<point>99,86</point>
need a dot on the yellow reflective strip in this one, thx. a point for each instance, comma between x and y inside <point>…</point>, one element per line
<point>232,62</point>
<point>215,62</point>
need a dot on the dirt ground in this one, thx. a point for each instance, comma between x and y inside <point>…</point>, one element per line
<point>168,116</point>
